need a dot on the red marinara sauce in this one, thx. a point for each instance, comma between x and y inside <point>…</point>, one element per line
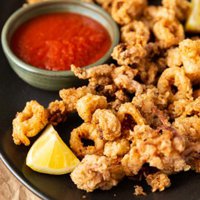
<point>55,41</point>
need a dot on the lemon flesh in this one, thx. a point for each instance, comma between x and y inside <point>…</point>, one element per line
<point>193,21</point>
<point>50,155</point>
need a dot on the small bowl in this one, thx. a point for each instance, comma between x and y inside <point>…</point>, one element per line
<point>46,79</point>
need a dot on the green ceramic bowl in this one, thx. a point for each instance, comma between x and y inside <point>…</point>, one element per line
<point>45,79</point>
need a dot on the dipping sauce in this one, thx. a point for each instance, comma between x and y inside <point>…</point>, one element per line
<point>55,41</point>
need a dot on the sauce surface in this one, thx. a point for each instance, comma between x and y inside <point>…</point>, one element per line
<point>57,40</point>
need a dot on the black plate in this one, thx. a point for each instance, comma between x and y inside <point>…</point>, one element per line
<point>14,93</point>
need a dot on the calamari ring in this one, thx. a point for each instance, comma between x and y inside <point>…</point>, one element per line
<point>181,8</point>
<point>85,131</point>
<point>136,32</point>
<point>130,110</point>
<point>126,54</point>
<point>174,76</point>
<point>29,122</point>
<point>87,105</point>
<point>168,32</point>
<point>108,124</point>
<point>124,11</point>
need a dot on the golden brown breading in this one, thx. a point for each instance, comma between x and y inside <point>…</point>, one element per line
<point>147,71</point>
<point>124,11</point>
<point>168,32</point>
<point>126,54</point>
<point>141,113</point>
<point>174,76</point>
<point>88,104</point>
<point>139,191</point>
<point>86,131</point>
<point>189,127</point>
<point>116,148</point>
<point>159,148</point>
<point>29,122</point>
<point>190,55</point>
<point>180,7</point>
<point>72,95</point>
<point>57,112</point>
<point>173,57</point>
<point>148,104</point>
<point>158,181</point>
<point>107,124</point>
<point>135,32</point>
<point>97,172</point>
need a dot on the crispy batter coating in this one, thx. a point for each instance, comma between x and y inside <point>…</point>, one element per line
<point>126,54</point>
<point>158,181</point>
<point>100,70</point>
<point>177,108</point>
<point>57,112</point>
<point>72,95</point>
<point>142,114</point>
<point>152,14</point>
<point>189,127</point>
<point>86,131</point>
<point>180,7</point>
<point>107,124</point>
<point>97,172</point>
<point>135,32</point>
<point>29,122</point>
<point>130,109</point>
<point>159,148</point>
<point>193,108</point>
<point>190,55</point>
<point>98,77</point>
<point>148,104</point>
<point>116,148</point>
<point>123,79</point>
<point>124,11</point>
<point>87,105</point>
<point>148,71</point>
<point>124,70</point>
<point>174,76</point>
<point>173,57</point>
<point>168,32</point>
<point>139,191</point>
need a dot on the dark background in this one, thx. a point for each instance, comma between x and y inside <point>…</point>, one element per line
<point>14,93</point>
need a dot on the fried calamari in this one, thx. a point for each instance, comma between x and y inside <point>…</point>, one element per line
<point>29,122</point>
<point>141,114</point>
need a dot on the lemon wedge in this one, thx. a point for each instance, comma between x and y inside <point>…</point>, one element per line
<point>193,21</point>
<point>50,155</point>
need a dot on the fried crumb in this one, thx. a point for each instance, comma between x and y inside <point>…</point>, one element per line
<point>158,181</point>
<point>139,191</point>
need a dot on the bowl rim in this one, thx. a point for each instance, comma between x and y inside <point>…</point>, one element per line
<point>26,8</point>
